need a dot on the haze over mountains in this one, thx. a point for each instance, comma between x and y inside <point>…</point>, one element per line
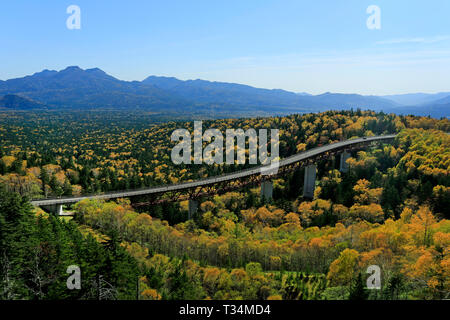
<point>75,88</point>
<point>417,98</point>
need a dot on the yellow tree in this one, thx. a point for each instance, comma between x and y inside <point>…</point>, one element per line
<point>343,269</point>
<point>421,224</point>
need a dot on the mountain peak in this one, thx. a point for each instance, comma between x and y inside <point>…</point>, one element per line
<point>95,70</point>
<point>45,73</point>
<point>83,75</point>
<point>70,68</point>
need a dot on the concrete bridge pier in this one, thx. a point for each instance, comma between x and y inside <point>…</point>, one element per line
<point>343,165</point>
<point>267,190</point>
<point>56,209</point>
<point>193,207</point>
<point>310,181</point>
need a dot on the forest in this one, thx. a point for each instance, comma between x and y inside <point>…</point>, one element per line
<point>391,209</point>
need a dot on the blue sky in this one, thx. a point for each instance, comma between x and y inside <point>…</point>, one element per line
<point>313,46</point>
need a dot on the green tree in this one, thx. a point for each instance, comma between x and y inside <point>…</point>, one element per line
<point>358,290</point>
<point>17,239</point>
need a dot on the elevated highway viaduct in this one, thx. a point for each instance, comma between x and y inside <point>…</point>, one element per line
<point>208,186</point>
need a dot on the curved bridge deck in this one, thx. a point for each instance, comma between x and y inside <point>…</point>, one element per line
<point>300,157</point>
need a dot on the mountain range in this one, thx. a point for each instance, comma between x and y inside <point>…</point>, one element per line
<point>75,88</point>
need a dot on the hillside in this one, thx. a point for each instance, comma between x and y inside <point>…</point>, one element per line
<point>15,102</point>
<point>390,209</point>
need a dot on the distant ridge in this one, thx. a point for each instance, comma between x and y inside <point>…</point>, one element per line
<point>75,88</point>
<point>233,94</point>
<point>12,101</point>
<point>415,99</point>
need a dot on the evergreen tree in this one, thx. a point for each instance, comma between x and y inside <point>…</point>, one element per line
<point>357,289</point>
<point>3,168</point>
<point>56,187</point>
<point>45,180</point>
<point>16,166</point>
<point>67,188</point>
<point>16,243</point>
